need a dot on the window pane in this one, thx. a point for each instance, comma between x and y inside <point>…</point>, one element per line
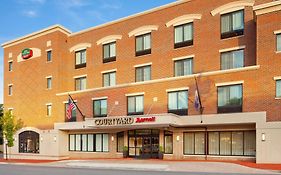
<point>187,64</point>
<point>199,143</point>
<point>90,142</point>
<point>98,142</point>
<point>278,88</point>
<point>120,141</point>
<point>77,58</point>
<point>147,73</point>
<point>179,67</point>
<point>188,143</point>
<point>83,83</point>
<point>106,51</point>
<point>214,143</point>
<point>235,95</point>
<point>78,142</point>
<point>139,104</point>
<point>188,32</point>
<point>103,107</point>
<point>105,143</point>
<point>97,107</point>
<point>238,57</point>
<point>131,104</point>
<point>168,144</point>
<point>178,34</point>
<point>238,20</point>
<point>182,100</point>
<point>225,24</point>
<point>10,66</point>
<point>49,55</point>
<point>72,142</point>
<point>278,42</point>
<point>113,79</point>
<point>225,143</point>
<point>139,43</point>
<point>83,56</point>
<point>84,142</point>
<point>222,96</point>
<point>237,143</point>
<point>147,42</point>
<point>172,97</point>
<point>106,80</point>
<point>77,84</point>
<point>250,143</point>
<point>139,74</point>
<point>49,83</point>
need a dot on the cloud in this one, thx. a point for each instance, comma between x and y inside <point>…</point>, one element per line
<point>30,13</point>
<point>111,6</point>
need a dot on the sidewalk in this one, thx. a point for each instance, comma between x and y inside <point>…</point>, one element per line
<point>158,165</point>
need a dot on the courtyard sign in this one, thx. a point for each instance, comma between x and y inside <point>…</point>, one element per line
<point>26,53</point>
<point>145,119</point>
<point>123,121</point>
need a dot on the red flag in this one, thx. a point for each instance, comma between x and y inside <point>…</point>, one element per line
<point>71,106</point>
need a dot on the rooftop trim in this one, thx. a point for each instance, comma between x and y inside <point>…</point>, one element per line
<point>33,35</point>
<point>267,7</point>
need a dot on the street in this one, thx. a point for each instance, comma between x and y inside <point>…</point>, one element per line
<point>8,169</point>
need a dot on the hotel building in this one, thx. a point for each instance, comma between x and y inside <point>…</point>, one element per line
<point>134,81</point>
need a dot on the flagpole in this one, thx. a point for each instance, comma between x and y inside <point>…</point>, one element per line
<point>77,107</point>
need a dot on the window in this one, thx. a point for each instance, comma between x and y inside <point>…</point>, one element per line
<point>278,88</point>
<point>80,59</point>
<point>80,83</point>
<point>100,108</point>
<point>49,56</point>
<point>49,110</point>
<point>143,73</point>
<point>235,143</point>
<point>109,52</point>
<point>135,105</point>
<point>168,142</point>
<point>183,35</point>
<point>10,90</point>
<point>194,143</point>
<point>178,102</point>
<point>29,142</point>
<point>278,38</point>
<point>232,24</point>
<point>49,83</point>
<point>73,114</point>
<point>109,79</point>
<point>120,141</point>
<point>183,67</point>
<point>230,99</point>
<point>88,142</point>
<point>143,44</point>
<point>232,60</point>
<point>10,66</point>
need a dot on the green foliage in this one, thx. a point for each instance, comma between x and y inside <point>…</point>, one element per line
<point>10,126</point>
<point>125,148</point>
<point>161,149</point>
<point>1,132</point>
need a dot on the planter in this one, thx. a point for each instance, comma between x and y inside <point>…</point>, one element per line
<point>125,154</point>
<point>160,155</point>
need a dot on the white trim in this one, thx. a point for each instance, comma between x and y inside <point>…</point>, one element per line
<point>232,49</point>
<point>48,50</point>
<point>10,108</point>
<point>232,6</point>
<point>229,83</point>
<point>108,71</point>
<point>177,89</point>
<point>80,76</point>
<point>67,101</point>
<point>49,76</point>
<point>183,57</point>
<point>142,65</point>
<point>9,61</point>
<point>11,84</point>
<point>266,5</point>
<point>183,19</point>
<point>204,74</point>
<point>276,32</point>
<point>47,104</point>
<point>135,94</point>
<point>99,98</point>
<point>277,98</point>
<point>143,30</point>
<point>49,43</point>
<point>278,52</point>
<point>109,39</point>
<point>37,34</point>
<point>80,46</point>
<point>277,78</point>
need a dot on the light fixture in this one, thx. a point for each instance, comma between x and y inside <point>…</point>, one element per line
<point>41,138</point>
<point>263,137</point>
<point>178,138</point>
<point>55,138</point>
<point>112,138</point>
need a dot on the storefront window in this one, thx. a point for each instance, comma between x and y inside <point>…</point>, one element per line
<point>120,141</point>
<point>194,143</point>
<point>168,142</point>
<point>29,142</point>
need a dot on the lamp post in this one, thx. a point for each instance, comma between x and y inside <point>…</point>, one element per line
<point>6,147</point>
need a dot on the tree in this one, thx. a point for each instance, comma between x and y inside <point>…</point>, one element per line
<point>10,126</point>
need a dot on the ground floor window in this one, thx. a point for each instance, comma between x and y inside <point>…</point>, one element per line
<point>88,142</point>
<point>120,141</point>
<point>224,143</point>
<point>168,142</point>
<point>29,142</point>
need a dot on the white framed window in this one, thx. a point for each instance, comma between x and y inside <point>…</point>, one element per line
<point>49,82</point>
<point>232,24</point>
<point>49,110</point>
<point>109,52</point>
<point>80,59</point>
<point>183,35</point>
<point>232,59</point>
<point>143,44</point>
<point>135,105</point>
<point>183,67</point>
<point>143,73</point>
<point>100,108</point>
<point>109,79</point>
<point>80,83</point>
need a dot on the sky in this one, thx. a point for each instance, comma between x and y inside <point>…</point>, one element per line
<point>21,17</point>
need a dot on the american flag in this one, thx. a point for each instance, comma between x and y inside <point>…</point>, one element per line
<point>71,106</point>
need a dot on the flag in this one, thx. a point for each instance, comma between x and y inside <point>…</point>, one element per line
<point>197,104</point>
<point>71,106</point>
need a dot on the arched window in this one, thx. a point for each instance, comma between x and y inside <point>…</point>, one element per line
<point>29,142</point>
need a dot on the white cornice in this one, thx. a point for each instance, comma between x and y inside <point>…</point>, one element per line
<point>143,30</point>
<point>109,39</point>
<point>183,19</point>
<point>232,6</point>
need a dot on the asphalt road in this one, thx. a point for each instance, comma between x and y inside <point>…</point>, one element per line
<point>7,169</point>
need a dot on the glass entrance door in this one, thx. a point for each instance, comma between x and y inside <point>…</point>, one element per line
<point>143,143</point>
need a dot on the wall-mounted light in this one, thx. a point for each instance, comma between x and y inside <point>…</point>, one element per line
<point>155,99</point>
<point>263,137</point>
<point>41,138</point>
<point>55,139</point>
<point>112,138</point>
<point>178,138</point>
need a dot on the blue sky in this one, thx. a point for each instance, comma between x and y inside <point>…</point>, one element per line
<point>21,17</point>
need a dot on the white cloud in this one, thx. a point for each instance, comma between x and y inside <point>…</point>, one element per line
<point>30,13</point>
<point>111,6</point>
